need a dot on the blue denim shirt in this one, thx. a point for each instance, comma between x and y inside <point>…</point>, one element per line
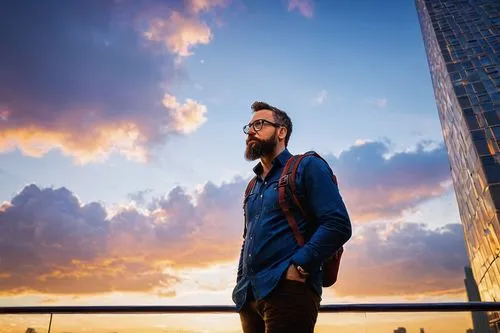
<point>270,247</point>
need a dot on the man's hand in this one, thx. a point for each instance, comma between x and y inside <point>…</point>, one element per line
<point>293,274</point>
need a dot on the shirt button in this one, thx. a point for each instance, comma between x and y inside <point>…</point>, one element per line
<point>261,195</point>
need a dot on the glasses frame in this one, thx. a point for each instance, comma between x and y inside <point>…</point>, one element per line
<point>246,128</point>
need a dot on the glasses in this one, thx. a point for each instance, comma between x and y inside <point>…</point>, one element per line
<point>258,124</point>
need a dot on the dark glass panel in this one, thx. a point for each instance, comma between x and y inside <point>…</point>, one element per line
<point>478,135</point>
<point>471,121</point>
<point>464,101</point>
<point>492,171</point>
<point>479,87</point>
<point>492,118</point>
<point>495,195</point>
<point>460,90</point>
<point>496,132</point>
<point>482,148</point>
<point>496,97</point>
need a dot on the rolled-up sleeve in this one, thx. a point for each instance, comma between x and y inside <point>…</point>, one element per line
<point>325,203</point>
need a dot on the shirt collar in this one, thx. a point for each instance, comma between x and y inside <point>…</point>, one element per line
<point>278,161</point>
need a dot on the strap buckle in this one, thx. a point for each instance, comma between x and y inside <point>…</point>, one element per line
<point>283,181</point>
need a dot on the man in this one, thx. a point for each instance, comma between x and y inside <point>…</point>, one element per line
<point>279,283</point>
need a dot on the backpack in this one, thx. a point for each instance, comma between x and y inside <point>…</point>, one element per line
<point>287,192</point>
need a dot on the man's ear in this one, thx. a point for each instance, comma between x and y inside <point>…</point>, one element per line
<point>282,133</point>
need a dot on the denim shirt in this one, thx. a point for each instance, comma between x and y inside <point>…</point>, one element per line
<point>269,247</point>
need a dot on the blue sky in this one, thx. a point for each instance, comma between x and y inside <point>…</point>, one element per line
<point>101,103</point>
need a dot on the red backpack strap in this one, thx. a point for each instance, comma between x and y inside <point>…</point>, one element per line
<point>287,186</point>
<point>292,183</point>
<point>285,178</point>
<point>248,190</point>
<point>294,187</point>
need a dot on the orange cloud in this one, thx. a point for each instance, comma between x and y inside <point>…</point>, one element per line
<point>104,275</point>
<point>187,117</point>
<point>179,33</point>
<point>305,7</point>
<point>92,145</point>
<point>109,101</point>
<point>403,259</point>
<point>53,243</point>
<point>197,6</point>
<point>383,202</point>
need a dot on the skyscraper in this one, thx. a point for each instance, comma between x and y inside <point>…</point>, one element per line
<point>462,42</point>
<point>479,318</point>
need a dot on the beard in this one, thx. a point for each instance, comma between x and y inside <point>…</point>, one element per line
<point>257,148</point>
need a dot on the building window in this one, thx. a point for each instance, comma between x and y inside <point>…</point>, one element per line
<point>492,171</point>
<point>496,132</point>
<point>492,118</point>
<point>483,150</point>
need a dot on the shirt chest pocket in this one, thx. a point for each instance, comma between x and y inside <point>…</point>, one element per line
<point>271,199</point>
<point>250,204</point>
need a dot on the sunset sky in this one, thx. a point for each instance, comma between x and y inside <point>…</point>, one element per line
<point>121,149</point>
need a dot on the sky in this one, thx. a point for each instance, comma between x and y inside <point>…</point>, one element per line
<point>121,151</point>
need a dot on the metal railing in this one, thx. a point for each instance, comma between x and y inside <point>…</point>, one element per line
<point>169,309</point>
<point>329,308</point>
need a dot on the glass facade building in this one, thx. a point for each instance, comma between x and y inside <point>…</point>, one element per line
<point>462,42</point>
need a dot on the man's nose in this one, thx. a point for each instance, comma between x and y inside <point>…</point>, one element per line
<point>251,136</point>
<point>251,131</point>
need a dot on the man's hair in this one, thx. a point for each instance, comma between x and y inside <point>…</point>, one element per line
<point>279,116</point>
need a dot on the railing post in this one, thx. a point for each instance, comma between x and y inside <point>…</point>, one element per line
<point>50,322</point>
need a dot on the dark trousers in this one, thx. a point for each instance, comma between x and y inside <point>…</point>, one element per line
<point>291,307</point>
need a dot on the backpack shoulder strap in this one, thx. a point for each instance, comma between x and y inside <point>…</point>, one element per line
<point>293,186</point>
<point>248,190</point>
<point>287,189</point>
<point>284,187</point>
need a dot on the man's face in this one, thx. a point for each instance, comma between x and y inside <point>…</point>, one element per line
<point>262,142</point>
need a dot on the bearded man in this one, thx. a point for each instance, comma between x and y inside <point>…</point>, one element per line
<point>279,283</point>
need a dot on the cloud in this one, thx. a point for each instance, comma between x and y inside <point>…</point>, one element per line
<point>89,79</point>
<point>179,30</point>
<point>187,117</point>
<point>52,243</point>
<point>379,102</point>
<point>179,33</point>
<point>305,7</point>
<point>403,259</point>
<point>321,97</point>
<point>197,6</point>
<point>376,187</point>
